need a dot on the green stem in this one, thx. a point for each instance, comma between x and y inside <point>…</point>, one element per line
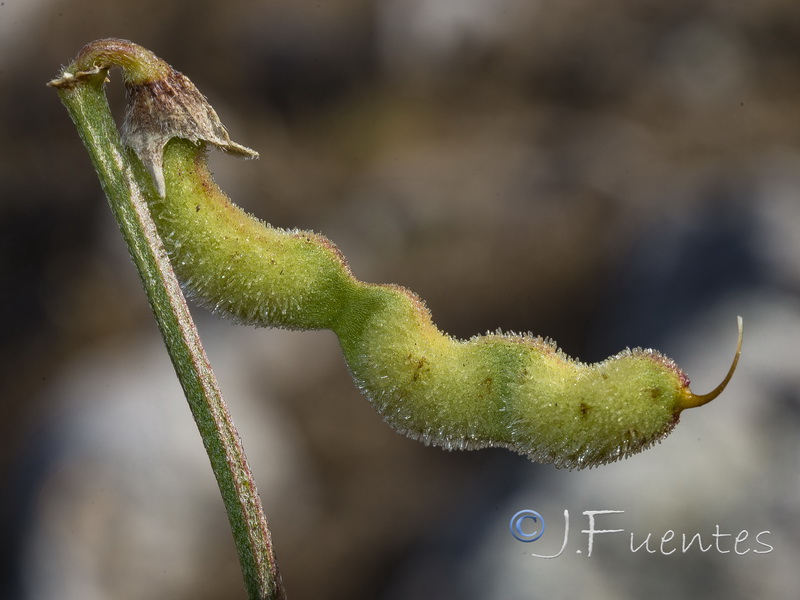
<point>127,184</point>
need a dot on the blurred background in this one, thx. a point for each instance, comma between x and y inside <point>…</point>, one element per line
<point>608,175</point>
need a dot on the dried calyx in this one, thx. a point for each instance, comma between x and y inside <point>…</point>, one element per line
<point>162,103</point>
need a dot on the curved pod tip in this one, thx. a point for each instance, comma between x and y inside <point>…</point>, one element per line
<point>691,400</point>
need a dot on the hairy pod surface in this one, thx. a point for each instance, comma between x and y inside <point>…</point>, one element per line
<point>514,391</point>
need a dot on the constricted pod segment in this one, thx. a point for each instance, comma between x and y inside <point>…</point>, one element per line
<point>498,390</point>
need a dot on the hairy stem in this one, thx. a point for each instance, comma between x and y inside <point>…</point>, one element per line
<point>127,186</point>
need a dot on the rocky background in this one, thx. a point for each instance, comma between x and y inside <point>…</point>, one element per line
<point>624,173</point>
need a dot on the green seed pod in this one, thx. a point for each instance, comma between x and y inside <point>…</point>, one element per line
<point>514,391</point>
